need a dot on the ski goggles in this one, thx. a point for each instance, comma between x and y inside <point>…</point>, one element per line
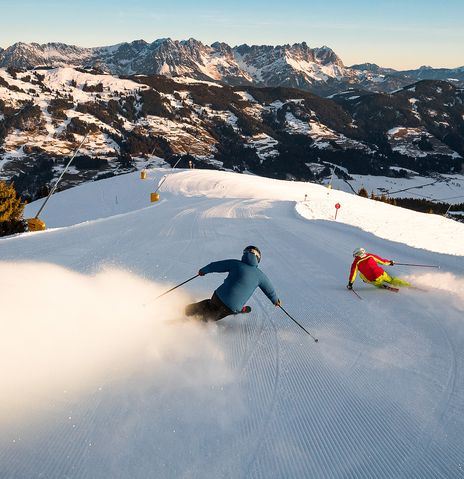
<point>254,251</point>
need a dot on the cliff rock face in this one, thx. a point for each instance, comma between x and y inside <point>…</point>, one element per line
<point>295,65</point>
<point>318,70</point>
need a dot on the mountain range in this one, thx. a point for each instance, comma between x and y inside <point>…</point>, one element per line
<point>318,70</point>
<point>277,132</point>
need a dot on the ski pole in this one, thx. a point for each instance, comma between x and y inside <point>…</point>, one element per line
<point>357,294</point>
<point>295,321</point>
<point>421,265</point>
<point>178,286</point>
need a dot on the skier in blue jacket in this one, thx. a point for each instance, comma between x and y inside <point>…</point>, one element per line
<point>243,278</point>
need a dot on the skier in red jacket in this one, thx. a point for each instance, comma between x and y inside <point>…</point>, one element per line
<point>370,271</point>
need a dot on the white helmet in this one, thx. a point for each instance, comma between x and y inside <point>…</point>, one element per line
<point>359,252</point>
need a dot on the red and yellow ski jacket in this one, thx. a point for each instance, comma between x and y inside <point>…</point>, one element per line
<point>368,268</point>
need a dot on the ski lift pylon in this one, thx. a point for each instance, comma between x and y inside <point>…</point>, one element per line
<point>36,224</point>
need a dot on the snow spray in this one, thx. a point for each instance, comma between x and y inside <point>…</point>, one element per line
<point>66,334</point>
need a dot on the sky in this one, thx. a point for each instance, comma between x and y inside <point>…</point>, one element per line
<point>400,34</point>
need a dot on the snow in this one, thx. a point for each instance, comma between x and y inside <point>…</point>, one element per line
<point>246,96</point>
<point>264,145</point>
<point>395,131</point>
<point>321,133</point>
<point>312,70</point>
<point>405,141</point>
<point>253,72</point>
<point>296,125</point>
<point>60,80</point>
<point>189,81</point>
<point>100,380</point>
<point>449,188</point>
<point>184,138</point>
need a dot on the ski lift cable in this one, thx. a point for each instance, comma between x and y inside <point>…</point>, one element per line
<point>412,188</point>
<point>166,176</point>
<point>62,174</point>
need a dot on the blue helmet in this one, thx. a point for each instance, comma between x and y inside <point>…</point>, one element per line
<point>255,250</point>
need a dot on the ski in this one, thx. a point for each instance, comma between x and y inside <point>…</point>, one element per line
<point>390,288</point>
<point>193,318</point>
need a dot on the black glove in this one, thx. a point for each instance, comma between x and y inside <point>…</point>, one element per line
<point>349,285</point>
<point>392,263</point>
<point>200,273</point>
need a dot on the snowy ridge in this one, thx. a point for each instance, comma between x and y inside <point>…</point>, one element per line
<point>316,69</point>
<point>292,65</point>
<point>394,222</point>
<point>133,394</point>
<point>134,121</point>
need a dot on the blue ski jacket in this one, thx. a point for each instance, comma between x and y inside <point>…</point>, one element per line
<point>243,278</point>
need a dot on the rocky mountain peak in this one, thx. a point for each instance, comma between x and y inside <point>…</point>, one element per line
<point>319,70</point>
<point>326,56</point>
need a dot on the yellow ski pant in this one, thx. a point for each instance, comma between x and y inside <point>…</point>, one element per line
<point>386,278</point>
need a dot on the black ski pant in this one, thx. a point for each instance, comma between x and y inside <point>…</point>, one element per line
<point>209,309</point>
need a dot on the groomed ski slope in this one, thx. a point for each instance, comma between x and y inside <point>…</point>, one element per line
<point>101,381</point>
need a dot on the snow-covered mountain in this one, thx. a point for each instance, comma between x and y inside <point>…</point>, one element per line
<point>29,55</point>
<point>279,132</point>
<point>286,65</point>
<point>318,70</point>
<point>100,380</point>
<point>429,73</point>
<point>391,79</point>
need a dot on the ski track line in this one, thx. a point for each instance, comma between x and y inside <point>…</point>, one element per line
<point>318,304</point>
<point>338,439</point>
<point>46,446</point>
<point>168,230</point>
<point>398,451</point>
<point>432,429</point>
<point>295,326</point>
<point>267,376</point>
<point>294,436</point>
<point>264,334</point>
<point>206,231</point>
<point>390,412</point>
<point>418,453</point>
<point>253,335</point>
<point>251,369</point>
<point>273,380</point>
<point>340,435</point>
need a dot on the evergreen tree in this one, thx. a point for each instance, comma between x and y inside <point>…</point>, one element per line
<point>11,210</point>
<point>11,207</point>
